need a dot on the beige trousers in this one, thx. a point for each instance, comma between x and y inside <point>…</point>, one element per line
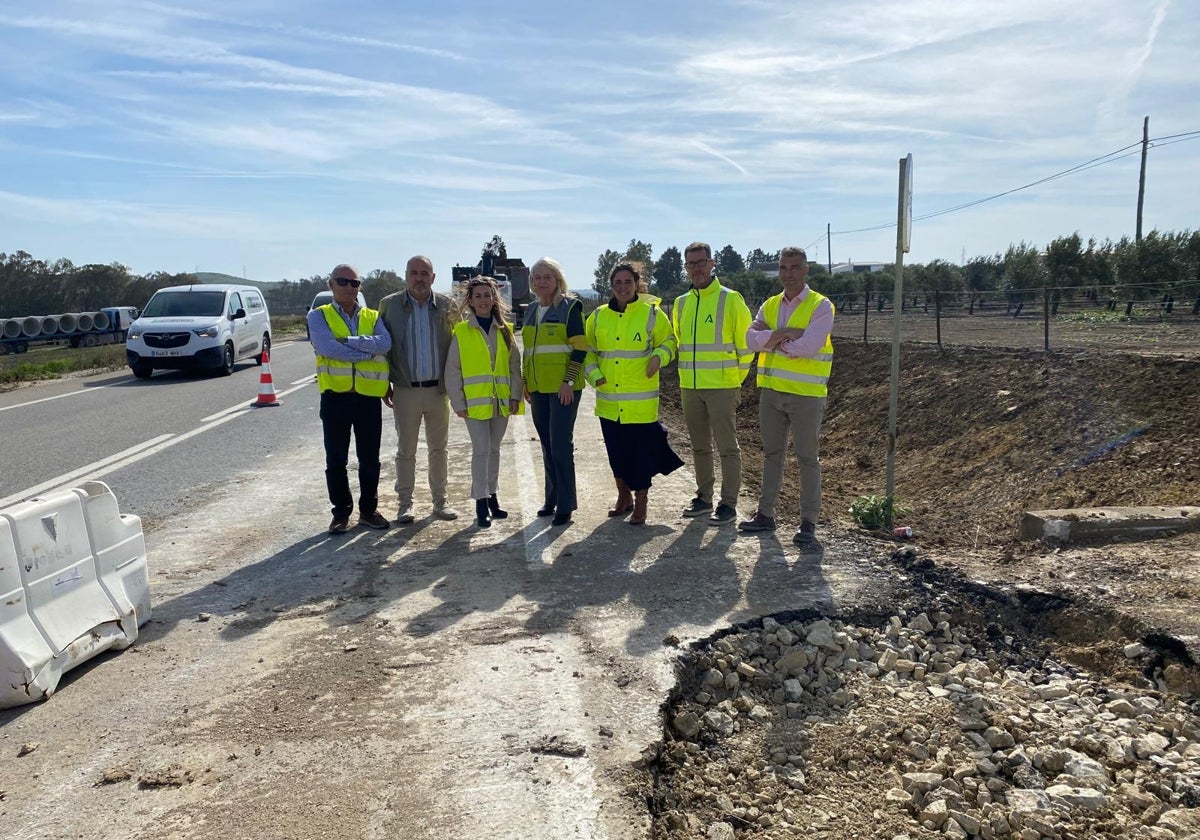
<point>412,407</point>
<point>486,437</point>
<point>711,415</point>
<point>779,414</point>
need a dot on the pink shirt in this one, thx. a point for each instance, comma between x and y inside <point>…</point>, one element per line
<point>809,344</point>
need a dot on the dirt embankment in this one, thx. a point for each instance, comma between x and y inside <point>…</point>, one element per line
<point>984,434</point>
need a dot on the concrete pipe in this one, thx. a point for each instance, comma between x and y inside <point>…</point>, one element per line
<point>101,321</point>
<point>10,328</point>
<point>83,322</point>
<point>68,322</point>
<point>31,326</point>
<point>49,324</point>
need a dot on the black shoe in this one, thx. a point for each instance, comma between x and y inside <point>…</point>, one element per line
<point>758,522</point>
<point>805,534</point>
<point>481,514</point>
<point>723,515</point>
<point>374,520</point>
<point>339,525</point>
<point>547,510</point>
<point>561,519</point>
<point>494,506</point>
<point>698,507</point>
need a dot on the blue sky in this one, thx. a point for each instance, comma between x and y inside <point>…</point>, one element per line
<point>285,137</point>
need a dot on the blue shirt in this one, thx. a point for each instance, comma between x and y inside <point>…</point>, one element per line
<point>358,348</point>
<point>420,344</point>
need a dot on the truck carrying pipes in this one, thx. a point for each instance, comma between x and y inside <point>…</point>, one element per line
<point>77,329</point>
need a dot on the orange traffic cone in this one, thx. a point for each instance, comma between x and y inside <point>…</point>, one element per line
<point>266,386</point>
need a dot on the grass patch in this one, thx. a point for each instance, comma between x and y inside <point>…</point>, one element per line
<point>287,324</point>
<point>1099,316</point>
<point>53,362</point>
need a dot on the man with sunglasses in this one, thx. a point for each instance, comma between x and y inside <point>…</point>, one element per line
<point>351,343</point>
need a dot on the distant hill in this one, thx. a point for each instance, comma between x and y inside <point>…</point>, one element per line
<point>218,277</point>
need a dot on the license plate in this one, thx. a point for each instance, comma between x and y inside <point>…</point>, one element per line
<point>168,352</point>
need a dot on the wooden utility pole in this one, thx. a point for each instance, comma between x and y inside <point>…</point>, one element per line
<point>828,249</point>
<point>1142,176</point>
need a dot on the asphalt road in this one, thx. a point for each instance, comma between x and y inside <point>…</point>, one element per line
<point>160,443</point>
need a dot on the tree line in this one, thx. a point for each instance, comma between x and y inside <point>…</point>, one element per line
<point>1163,266</point>
<point>30,286</point>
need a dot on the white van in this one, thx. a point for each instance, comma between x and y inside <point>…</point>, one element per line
<point>201,326</point>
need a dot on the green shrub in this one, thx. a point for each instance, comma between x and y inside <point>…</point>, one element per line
<point>876,512</point>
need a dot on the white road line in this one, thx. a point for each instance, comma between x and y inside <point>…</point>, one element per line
<point>537,547</point>
<point>305,380</point>
<point>246,406</point>
<point>92,470</point>
<point>59,396</point>
<point>302,384</point>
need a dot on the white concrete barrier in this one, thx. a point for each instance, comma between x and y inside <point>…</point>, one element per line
<point>73,583</point>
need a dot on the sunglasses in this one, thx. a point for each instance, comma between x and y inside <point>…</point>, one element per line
<point>343,281</point>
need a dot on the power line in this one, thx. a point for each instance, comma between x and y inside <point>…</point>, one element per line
<point>1111,157</point>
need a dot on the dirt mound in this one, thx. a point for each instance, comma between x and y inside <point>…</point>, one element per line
<point>984,434</point>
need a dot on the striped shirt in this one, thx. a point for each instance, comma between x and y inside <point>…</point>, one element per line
<point>420,343</point>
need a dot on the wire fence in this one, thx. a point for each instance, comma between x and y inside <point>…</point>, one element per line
<point>1046,321</point>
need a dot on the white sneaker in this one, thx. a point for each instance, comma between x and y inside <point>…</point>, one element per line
<point>405,515</point>
<point>445,512</point>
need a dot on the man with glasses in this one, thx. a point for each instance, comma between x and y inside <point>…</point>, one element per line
<point>351,343</point>
<point>419,321</point>
<point>710,323</point>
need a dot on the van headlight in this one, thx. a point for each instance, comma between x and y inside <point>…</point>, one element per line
<point>135,332</point>
<point>207,332</point>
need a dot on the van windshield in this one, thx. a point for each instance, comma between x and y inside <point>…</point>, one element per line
<point>185,304</point>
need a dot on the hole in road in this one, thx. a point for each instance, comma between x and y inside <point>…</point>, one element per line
<point>972,712</point>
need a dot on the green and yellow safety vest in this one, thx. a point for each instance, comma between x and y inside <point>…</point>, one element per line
<point>710,325</point>
<point>808,376</point>
<point>548,347</point>
<point>485,381</point>
<point>620,346</point>
<point>370,377</point>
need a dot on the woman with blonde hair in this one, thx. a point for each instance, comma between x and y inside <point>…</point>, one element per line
<point>629,340</point>
<point>552,330</point>
<point>482,371</point>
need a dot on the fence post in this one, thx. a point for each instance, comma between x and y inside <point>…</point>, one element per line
<point>1046,315</point>
<point>866,308</point>
<point>937,314</point>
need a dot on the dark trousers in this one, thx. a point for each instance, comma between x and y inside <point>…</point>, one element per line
<point>638,451</point>
<point>555,424</point>
<point>341,415</point>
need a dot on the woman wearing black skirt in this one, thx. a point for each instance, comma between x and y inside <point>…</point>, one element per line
<point>629,339</point>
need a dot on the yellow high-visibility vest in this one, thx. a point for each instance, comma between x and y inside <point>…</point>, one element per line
<point>484,381</point>
<point>620,346</point>
<point>710,326</point>
<point>548,347</point>
<point>370,377</point>
<point>808,376</point>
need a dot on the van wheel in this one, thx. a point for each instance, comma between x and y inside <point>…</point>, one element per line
<point>266,348</point>
<point>141,370</point>
<point>227,362</point>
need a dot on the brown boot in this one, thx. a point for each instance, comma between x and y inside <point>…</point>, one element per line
<point>624,502</point>
<point>639,508</point>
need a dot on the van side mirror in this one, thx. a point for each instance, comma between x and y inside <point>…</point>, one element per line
<point>240,313</point>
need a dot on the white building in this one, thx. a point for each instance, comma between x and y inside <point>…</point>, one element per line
<point>858,267</point>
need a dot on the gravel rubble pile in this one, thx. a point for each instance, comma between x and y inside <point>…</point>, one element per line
<point>917,730</point>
